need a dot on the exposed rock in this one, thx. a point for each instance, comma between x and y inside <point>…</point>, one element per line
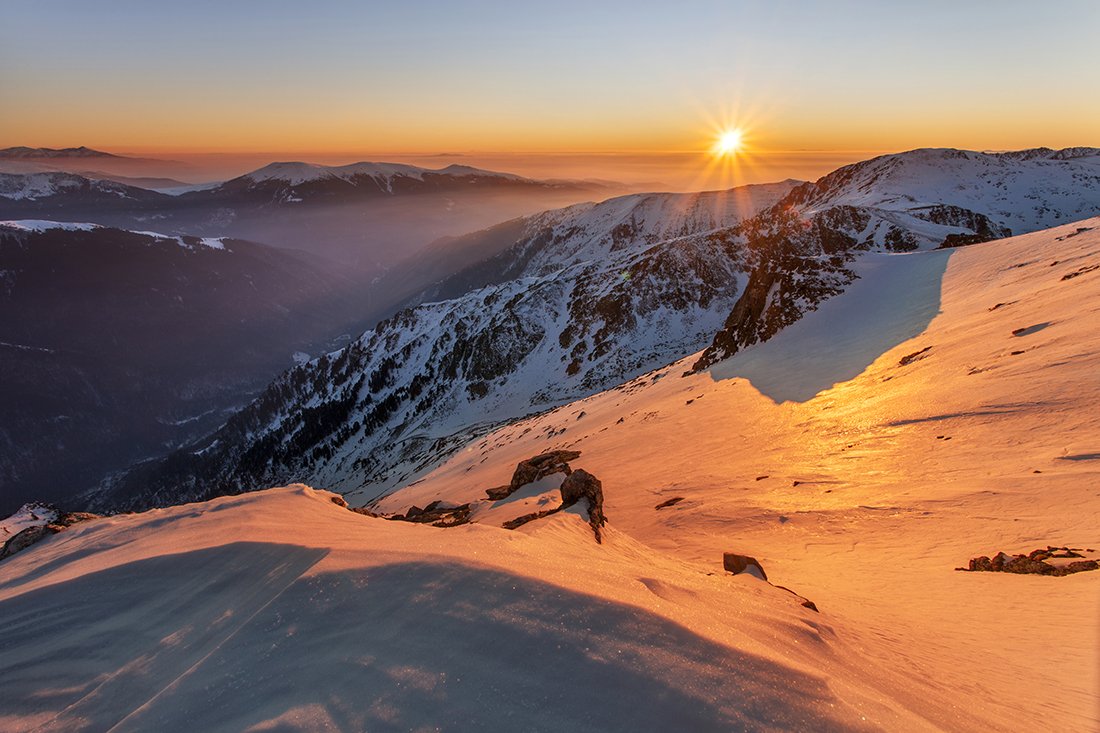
<point>915,356</point>
<point>738,564</point>
<point>500,492</point>
<point>802,600</point>
<point>437,514</point>
<point>535,468</point>
<point>1034,563</point>
<point>1080,271</point>
<point>669,502</point>
<point>983,229</point>
<point>979,564</point>
<point>524,519</point>
<point>578,485</point>
<point>68,519</point>
<point>30,535</point>
<point>798,263</point>
<point>339,501</point>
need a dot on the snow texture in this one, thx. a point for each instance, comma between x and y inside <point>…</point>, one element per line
<point>975,429</point>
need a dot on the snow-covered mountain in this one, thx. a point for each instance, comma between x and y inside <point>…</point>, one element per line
<point>1025,190</point>
<point>115,345</point>
<point>907,201</point>
<point>945,406</point>
<point>551,240</point>
<point>592,296</point>
<point>586,298</point>
<point>40,192</point>
<point>305,184</point>
<point>368,216</point>
<point>953,412</point>
<point>384,174</point>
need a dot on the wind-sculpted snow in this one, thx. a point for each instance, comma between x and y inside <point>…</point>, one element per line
<point>284,611</point>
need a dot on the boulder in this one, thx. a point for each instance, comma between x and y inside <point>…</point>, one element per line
<point>578,485</point>
<point>500,492</point>
<point>738,564</point>
<point>980,564</point>
<point>533,469</point>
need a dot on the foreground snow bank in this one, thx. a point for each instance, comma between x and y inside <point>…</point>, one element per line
<point>282,610</point>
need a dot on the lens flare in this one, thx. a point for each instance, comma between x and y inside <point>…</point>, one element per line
<point>729,142</point>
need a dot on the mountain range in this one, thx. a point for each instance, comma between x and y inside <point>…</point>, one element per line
<point>589,297</point>
<point>736,552</point>
<point>366,216</point>
<point>22,152</point>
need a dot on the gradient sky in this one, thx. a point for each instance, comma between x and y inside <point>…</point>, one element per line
<point>425,77</point>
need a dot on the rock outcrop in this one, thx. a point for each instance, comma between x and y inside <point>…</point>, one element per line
<point>580,485</point>
<point>746,564</point>
<point>533,469</point>
<point>737,564</point>
<point>1034,563</point>
<point>29,536</point>
<point>437,514</point>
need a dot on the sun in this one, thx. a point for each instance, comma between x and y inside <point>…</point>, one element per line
<point>730,142</point>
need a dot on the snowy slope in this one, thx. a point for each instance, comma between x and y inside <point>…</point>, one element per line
<point>281,610</point>
<point>1023,190</point>
<point>35,186</point>
<point>596,300</point>
<point>42,225</point>
<point>947,408</point>
<point>154,238</point>
<point>592,231</point>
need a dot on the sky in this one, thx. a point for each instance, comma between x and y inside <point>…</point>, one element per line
<point>630,81</point>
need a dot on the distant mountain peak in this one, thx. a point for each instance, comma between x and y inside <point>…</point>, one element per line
<point>298,172</point>
<point>22,151</point>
